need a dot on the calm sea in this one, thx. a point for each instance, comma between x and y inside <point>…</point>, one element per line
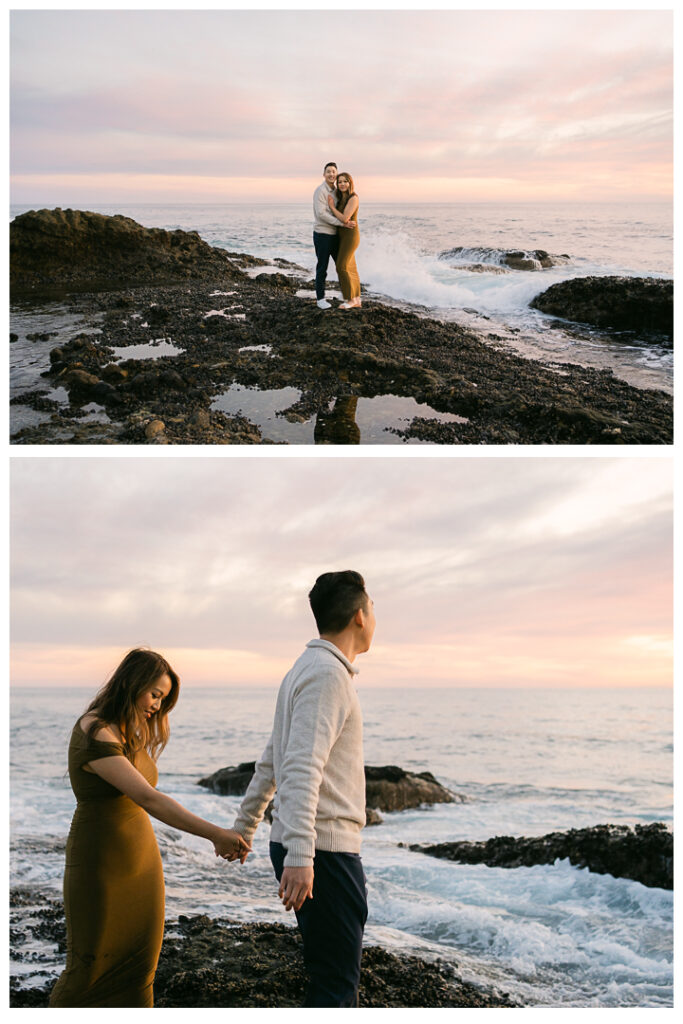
<point>529,762</point>
<point>402,259</point>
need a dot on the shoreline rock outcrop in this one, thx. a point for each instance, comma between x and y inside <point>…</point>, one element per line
<point>619,303</point>
<point>387,788</point>
<point>643,853</point>
<point>79,250</point>
<point>221,963</point>
<point>215,332</point>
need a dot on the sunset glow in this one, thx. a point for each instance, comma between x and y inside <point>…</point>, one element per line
<point>488,572</point>
<point>237,106</point>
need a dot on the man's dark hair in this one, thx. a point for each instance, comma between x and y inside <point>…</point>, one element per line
<point>335,599</point>
<point>331,164</point>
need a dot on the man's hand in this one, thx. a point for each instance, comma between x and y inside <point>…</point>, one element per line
<point>230,845</point>
<point>296,886</point>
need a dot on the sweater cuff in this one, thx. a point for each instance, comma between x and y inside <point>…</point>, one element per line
<point>300,854</point>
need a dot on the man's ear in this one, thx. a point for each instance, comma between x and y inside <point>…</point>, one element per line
<point>359,618</point>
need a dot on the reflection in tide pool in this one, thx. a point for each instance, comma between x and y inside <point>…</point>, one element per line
<point>149,350</point>
<point>349,420</point>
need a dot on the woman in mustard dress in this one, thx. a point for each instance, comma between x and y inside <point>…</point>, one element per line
<point>344,205</point>
<point>113,882</point>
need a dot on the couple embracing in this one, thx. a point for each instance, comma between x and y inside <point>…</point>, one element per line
<point>312,765</point>
<point>336,234</point>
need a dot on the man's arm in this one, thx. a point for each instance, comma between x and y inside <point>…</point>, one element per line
<point>322,210</point>
<point>319,710</point>
<point>258,795</point>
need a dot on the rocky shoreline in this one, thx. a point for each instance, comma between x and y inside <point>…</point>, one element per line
<point>218,332</point>
<point>643,853</point>
<point>208,963</point>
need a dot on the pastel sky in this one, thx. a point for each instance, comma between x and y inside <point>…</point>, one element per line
<point>484,571</point>
<point>224,105</point>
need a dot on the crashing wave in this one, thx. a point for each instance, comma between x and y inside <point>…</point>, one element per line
<point>513,259</point>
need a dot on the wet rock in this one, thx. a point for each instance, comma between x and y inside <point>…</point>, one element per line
<point>372,817</point>
<point>82,250</point>
<point>154,429</point>
<point>387,789</point>
<point>621,303</point>
<point>392,789</point>
<point>643,853</point>
<point>209,963</point>
<point>378,351</point>
<point>231,781</point>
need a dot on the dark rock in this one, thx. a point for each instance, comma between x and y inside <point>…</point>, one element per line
<point>220,964</point>
<point>387,789</point>
<point>620,303</point>
<point>83,250</point>
<point>81,382</point>
<point>232,781</point>
<point>644,853</point>
<point>333,360</point>
<point>392,789</point>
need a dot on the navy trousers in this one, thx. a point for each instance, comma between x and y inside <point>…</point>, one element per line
<point>331,926</point>
<point>325,246</point>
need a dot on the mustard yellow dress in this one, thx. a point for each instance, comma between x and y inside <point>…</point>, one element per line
<point>113,888</point>
<point>347,271</point>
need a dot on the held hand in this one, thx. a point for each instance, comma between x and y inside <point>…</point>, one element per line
<point>349,224</point>
<point>231,845</point>
<point>296,886</point>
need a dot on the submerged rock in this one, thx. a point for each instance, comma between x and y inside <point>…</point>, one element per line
<point>386,789</point>
<point>644,853</point>
<point>621,303</point>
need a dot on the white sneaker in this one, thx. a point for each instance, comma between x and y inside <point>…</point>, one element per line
<point>324,304</point>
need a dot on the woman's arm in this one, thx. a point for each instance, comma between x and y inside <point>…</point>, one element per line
<point>119,772</point>
<point>348,212</point>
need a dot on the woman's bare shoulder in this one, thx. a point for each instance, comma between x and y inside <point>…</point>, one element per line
<point>106,733</point>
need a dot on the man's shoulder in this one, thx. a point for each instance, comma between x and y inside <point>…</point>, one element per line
<point>318,666</point>
<point>322,187</point>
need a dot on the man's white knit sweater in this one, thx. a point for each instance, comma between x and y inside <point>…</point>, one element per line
<point>324,222</point>
<point>313,761</point>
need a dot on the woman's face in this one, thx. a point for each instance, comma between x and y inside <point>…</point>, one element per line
<point>151,699</point>
<point>343,184</point>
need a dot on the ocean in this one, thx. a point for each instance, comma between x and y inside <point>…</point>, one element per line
<point>420,257</point>
<point>528,761</point>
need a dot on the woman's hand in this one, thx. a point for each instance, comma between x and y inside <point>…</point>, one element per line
<point>230,845</point>
<point>330,202</point>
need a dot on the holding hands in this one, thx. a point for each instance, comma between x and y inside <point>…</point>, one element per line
<point>230,845</point>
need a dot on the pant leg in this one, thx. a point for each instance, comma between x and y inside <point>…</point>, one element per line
<point>325,246</point>
<point>331,925</point>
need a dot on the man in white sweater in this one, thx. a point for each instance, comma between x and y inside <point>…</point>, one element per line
<point>313,763</point>
<point>325,236</point>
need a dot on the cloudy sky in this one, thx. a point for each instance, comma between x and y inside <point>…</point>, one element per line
<point>484,572</point>
<point>225,105</point>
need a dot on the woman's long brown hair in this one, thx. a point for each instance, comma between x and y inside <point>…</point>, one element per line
<point>342,198</point>
<point>115,704</point>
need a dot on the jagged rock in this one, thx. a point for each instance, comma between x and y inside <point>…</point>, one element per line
<point>81,250</point>
<point>224,963</point>
<point>644,853</point>
<point>392,789</point>
<point>387,789</point>
<point>621,303</point>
